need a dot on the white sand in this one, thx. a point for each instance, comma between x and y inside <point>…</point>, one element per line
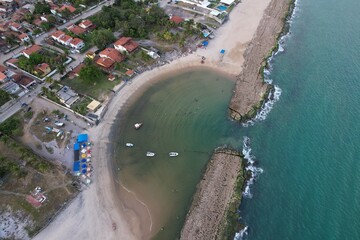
<point>91,214</point>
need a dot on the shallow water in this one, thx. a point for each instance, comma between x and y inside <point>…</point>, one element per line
<point>186,113</point>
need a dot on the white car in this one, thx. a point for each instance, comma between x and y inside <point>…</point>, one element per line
<point>59,124</point>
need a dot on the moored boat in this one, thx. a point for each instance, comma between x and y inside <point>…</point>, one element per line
<point>129,144</point>
<point>173,154</point>
<point>138,125</point>
<point>150,154</point>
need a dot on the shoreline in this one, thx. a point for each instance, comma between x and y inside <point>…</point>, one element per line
<point>244,106</point>
<point>92,213</point>
<point>213,213</point>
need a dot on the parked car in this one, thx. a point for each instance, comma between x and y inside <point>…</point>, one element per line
<point>59,124</point>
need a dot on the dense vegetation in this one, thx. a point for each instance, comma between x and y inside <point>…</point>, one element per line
<point>90,74</point>
<point>29,64</point>
<point>101,38</point>
<point>12,126</point>
<point>135,19</point>
<point>4,97</point>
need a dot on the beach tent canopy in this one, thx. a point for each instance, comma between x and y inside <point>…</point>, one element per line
<point>76,166</point>
<point>227,2</point>
<point>76,146</point>
<point>82,138</point>
<point>222,51</point>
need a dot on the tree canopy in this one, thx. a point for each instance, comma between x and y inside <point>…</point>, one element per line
<point>102,37</point>
<point>41,8</point>
<point>135,19</point>
<point>4,97</point>
<point>90,74</point>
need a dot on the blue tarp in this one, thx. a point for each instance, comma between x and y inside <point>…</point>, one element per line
<point>76,167</point>
<point>222,51</point>
<point>205,43</point>
<point>76,146</point>
<point>82,138</point>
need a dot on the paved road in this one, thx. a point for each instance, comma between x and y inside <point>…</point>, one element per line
<point>10,109</point>
<point>41,38</point>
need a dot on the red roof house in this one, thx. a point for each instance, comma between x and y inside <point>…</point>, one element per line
<point>76,29</point>
<point>57,35</point>
<point>68,7</point>
<point>125,44</point>
<point>176,19</point>
<point>30,50</point>
<point>85,24</point>
<point>112,54</point>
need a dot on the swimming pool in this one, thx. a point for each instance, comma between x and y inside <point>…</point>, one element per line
<point>222,8</point>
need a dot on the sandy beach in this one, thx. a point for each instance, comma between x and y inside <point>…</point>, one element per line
<point>92,213</point>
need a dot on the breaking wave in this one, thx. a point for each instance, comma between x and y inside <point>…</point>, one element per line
<point>274,94</point>
<point>254,171</point>
<point>273,97</point>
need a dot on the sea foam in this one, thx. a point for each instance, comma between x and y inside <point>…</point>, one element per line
<point>273,97</point>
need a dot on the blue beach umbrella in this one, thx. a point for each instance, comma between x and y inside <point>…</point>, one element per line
<point>83,171</point>
<point>84,166</point>
<point>83,160</point>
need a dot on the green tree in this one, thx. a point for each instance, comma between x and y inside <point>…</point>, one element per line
<point>102,37</point>
<point>90,74</point>
<point>41,8</point>
<point>4,97</point>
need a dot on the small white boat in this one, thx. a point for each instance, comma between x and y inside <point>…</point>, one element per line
<point>150,154</point>
<point>138,125</point>
<point>129,144</point>
<point>173,154</point>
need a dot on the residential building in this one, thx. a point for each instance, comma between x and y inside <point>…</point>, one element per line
<point>15,26</point>
<point>125,45</point>
<point>76,29</point>
<point>105,62</point>
<point>10,87</point>
<point>30,50</point>
<point>24,37</point>
<point>23,81</point>
<point>57,35</point>
<point>77,43</point>
<point>43,68</point>
<point>176,19</point>
<point>3,77</point>
<point>112,54</point>
<point>68,7</point>
<point>67,96</point>
<point>65,40</point>
<point>86,24</point>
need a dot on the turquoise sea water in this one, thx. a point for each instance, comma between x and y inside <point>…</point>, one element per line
<point>309,144</point>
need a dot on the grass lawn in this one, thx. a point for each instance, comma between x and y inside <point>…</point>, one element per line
<point>98,90</point>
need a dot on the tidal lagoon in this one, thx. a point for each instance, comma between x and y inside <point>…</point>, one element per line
<point>186,113</point>
<point>307,146</point>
